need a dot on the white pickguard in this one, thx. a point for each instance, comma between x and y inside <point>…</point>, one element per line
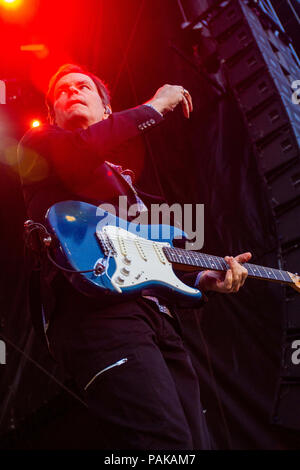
<point>139,260</point>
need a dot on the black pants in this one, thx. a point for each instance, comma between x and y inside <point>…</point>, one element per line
<point>136,374</point>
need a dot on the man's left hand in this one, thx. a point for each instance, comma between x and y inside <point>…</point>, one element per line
<point>228,282</point>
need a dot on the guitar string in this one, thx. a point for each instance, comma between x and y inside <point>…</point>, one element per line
<point>189,253</point>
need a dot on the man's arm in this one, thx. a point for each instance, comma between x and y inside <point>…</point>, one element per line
<point>74,154</point>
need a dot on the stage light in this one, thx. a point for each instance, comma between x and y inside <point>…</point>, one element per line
<point>35,123</point>
<point>11,3</point>
<point>18,11</point>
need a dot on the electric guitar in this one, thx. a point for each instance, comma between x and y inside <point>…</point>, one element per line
<point>103,254</point>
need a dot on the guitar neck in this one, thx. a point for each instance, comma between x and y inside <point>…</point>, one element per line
<point>185,258</point>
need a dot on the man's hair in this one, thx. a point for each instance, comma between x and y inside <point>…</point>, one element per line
<point>73,68</point>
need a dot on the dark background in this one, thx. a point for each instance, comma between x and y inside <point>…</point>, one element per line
<point>137,46</point>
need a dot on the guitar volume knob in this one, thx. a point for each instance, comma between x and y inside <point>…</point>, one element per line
<point>126,260</point>
<point>125,271</point>
<point>99,268</point>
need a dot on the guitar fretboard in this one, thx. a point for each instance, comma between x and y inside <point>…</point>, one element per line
<point>203,261</point>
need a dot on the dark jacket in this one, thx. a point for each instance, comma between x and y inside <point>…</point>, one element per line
<point>56,165</point>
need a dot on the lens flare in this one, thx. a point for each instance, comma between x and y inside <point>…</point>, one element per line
<point>35,123</point>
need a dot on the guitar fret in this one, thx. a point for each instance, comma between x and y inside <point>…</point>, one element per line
<point>249,269</point>
<point>196,260</point>
<point>188,257</point>
<point>281,273</point>
<point>254,270</point>
<point>270,273</point>
<point>193,259</point>
<point>203,261</point>
<point>218,261</point>
<point>277,271</point>
<point>213,264</point>
<point>176,256</point>
<point>285,275</point>
<point>265,271</point>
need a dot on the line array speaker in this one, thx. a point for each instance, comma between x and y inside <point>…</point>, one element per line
<point>260,69</point>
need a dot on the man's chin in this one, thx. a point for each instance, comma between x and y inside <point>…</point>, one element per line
<point>76,105</point>
<point>76,120</point>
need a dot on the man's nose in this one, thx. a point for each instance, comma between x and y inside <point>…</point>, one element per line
<point>73,89</point>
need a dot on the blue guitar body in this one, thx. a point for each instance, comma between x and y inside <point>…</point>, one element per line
<point>123,258</point>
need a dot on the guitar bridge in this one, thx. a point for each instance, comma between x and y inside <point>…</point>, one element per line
<point>106,244</point>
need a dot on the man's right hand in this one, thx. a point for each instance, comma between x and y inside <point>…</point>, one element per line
<point>169,96</point>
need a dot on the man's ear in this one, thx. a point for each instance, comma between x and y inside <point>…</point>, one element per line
<point>107,111</point>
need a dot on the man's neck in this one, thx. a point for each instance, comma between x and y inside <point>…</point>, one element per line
<point>76,123</point>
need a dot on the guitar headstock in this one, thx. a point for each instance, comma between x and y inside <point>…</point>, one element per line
<point>296,281</point>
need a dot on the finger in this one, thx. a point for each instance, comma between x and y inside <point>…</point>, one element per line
<point>237,271</point>
<point>185,107</point>
<point>242,272</point>
<point>228,281</point>
<point>228,272</point>
<point>190,103</point>
<point>244,257</point>
<point>244,276</point>
<point>189,100</point>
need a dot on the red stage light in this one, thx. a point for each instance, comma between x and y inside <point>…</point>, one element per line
<point>35,123</point>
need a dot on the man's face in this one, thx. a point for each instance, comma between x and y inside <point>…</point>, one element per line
<point>77,102</point>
